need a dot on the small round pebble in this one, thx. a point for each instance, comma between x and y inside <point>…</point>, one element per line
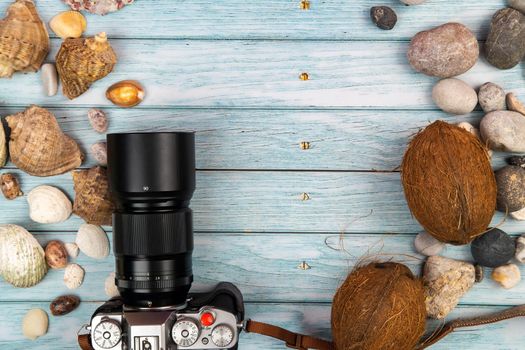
<point>100,153</point>
<point>510,181</point>
<point>492,98</point>
<point>454,96</point>
<point>427,245</point>
<point>493,249</point>
<point>383,17</point>
<point>520,249</point>
<point>508,276</point>
<point>98,120</point>
<point>480,274</point>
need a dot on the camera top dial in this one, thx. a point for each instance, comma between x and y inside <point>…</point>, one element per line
<point>185,333</point>
<point>107,333</point>
<point>222,335</point>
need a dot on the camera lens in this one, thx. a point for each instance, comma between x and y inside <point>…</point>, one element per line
<point>152,179</point>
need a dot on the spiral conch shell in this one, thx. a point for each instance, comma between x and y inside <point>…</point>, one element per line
<point>92,200</point>
<point>24,41</point>
<point>22,261</point>
<point>38,146</point>
<point>82,61</point>
<point>48,205</point>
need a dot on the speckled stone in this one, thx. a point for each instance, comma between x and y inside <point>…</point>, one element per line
<point>383,17</point>
<point>427,245</point>
<point>504,131</point>
<point>520,249</point>
<point>454,96</point>
<point>492,249</point>
<point>445,51</point>
<point>492,98</point>
<point>511,188</point>
<point>505,45</point>
<point>508,276</point>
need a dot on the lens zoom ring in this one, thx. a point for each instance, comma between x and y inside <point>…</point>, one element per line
<point>154,284</point>
<point>153,234</point>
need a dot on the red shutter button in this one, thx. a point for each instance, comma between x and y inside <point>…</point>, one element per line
<point>207,319</point>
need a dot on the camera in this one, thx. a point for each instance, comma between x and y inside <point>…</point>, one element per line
<point>152,180</point>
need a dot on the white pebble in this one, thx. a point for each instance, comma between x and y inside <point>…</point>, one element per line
<point>110,287</point>
<point>427,245</point>
<point>73,276</point>
<point>35,324</point>
<point>48,73</point>
<point>508,276</point>
<point>71,249</point>
<point>518,215</point>
<point>520,249</point>
<point>454,96</point>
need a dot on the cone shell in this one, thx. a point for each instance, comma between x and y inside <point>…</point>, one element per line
<point>92,199</point>
<point>380,306</point>
<point>449,183</point>
<point>82,61</point>
<point>24,41</point>
<point>38,146</point>
<point>22,261</point>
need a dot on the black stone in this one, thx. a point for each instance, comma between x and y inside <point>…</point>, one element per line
<point>505,45</point>
<point>511,188</point>
<point>384,17</point>
<point>494,248</point>
<point>517,160</point>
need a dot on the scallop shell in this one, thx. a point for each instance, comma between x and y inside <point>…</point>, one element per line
<point>92,241</point>
<point>35,324</point>
<point>73,276</point>
<point>92,200</point>
<point>48,205</point>
<point>22,261</point>
<point>99,7</point>
<point>3,146</point>
<point>24,41</point>
<point>38,146</point>
<point>68,24</point>
<point>82,61</point>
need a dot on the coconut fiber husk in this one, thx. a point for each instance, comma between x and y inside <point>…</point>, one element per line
<point>380,306</point>
<point>449,184</point>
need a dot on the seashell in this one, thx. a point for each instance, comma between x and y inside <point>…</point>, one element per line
<point>10,186</point>
<point>68,24</point>
<point>100,153</point>
<point>35,324</point>
<point>64,304</point>
<point>126,93</point>
<point>98,120</point>
<point>92,241</point>
<point>3,145</point>
<point>22,260</point>
<point>49,76</point>
<point>56,255</point>
<point>92,200</point>
<point>110,287</point>
<point>71,249</point>
<point>99,7</point>
<point>48,205</point>
<point>38,146</point>
<point>24,41</point>
<point>73,276</point>
<point>80,62</point>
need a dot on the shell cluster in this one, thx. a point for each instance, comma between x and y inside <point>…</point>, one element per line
<point>24,41</point>
<point>48,205</point>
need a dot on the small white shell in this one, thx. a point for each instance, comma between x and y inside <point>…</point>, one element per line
<point>92,241</point>
<point>110,287</point>
<point>48,205</point>
<point>71,249</point>
<point>73,276</point>
<point>35,324</point>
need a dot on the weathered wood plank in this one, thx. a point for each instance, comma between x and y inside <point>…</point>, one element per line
<point>270,139</point>
<point>275,19</point>
<point>263,74</point>
<point>269,201</point>
<point>265,267</point>
<point>311,319</point>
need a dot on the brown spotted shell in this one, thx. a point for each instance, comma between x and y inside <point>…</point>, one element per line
<point>24,41</point>
<point>38,146</point>
<point>82,61</point>
<point>92,200</point>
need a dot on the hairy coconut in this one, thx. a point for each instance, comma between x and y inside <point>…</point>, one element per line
<point>380,306</point>
<point>449,184</point>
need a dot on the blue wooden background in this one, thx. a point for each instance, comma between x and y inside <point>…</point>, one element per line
<point>230,70</point>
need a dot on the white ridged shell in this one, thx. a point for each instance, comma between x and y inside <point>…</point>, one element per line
<point>71,249</point>
<point>48,205</point>
<point>22,261</point>
<point>73,276</point>
<point>92,241</point>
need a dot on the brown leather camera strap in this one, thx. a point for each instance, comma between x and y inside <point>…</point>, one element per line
<point>292,340</point>
<point>84,342</point>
